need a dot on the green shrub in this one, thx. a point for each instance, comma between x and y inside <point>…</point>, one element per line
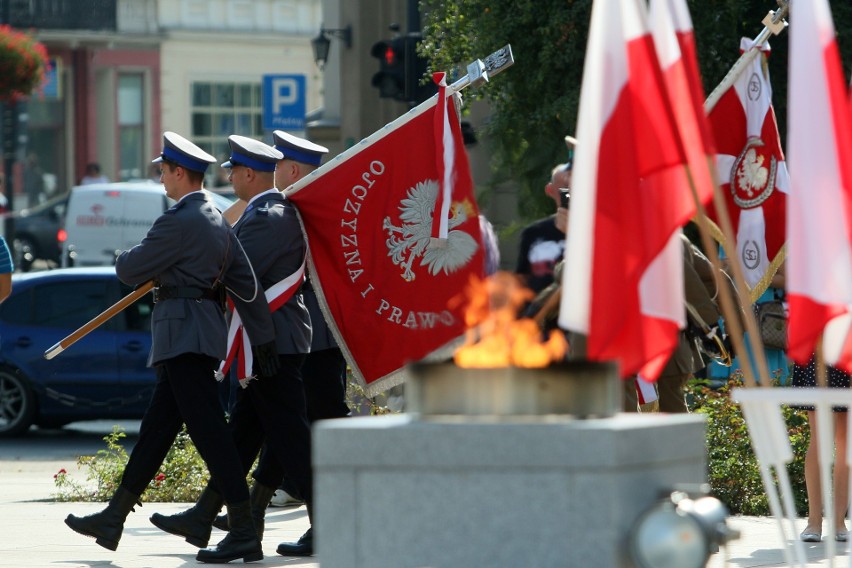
<point>180,479</point>
<point>734,474</point>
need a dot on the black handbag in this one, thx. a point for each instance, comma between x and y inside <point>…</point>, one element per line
<point>772,323</point>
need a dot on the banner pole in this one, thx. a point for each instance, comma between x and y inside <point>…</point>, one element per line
<point>775,24</point>
<point>98,320</point>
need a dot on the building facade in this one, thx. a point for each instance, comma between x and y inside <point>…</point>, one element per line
<point>214,55</point>
<point>125,70</point>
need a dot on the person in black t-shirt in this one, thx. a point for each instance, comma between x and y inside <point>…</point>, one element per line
<point>543,242</point>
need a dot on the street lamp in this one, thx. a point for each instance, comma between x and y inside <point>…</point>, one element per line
<point>321,44</point>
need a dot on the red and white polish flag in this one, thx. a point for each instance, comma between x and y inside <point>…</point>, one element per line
<point>384,260</point>
<point>674,41</point>
<point>689,53</point>
<point>752,172</point>
<point>623,277</point>
<point>819,216</point>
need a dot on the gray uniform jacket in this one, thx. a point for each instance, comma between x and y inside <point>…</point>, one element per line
<point>271,236</point>
<point>191,245</point>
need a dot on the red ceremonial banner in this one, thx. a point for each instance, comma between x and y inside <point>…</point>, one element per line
<point>383,281</point>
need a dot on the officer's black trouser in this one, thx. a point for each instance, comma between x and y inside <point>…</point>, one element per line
<point>186,392</point>
<point>324,377</point>
<point>272,410</point>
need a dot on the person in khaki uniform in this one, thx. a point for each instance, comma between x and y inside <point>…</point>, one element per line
<point>699,292</point>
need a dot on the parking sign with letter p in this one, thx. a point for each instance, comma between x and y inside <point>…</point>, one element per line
<point>284,103</point>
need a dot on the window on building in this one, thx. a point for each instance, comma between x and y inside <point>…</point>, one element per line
<point>131,126</point>
<point>222,109</point>
<point>45,158</point>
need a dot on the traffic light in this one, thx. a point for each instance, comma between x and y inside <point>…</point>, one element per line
<point>390,80</point>
<point>416,90</point>
<point>401,70</point>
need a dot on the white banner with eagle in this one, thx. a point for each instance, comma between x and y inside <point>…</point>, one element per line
<point>752,172</point>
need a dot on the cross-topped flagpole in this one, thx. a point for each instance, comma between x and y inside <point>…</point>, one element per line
<point>479,72</point>
<point>775,24</point>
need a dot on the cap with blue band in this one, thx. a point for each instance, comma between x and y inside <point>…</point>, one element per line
<point>252,153</point>
<point>298,149</point>
<point>182,152</point>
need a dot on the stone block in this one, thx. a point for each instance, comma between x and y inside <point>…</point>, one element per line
<point>396,492</point>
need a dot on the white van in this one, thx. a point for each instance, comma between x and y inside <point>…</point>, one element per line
<point>104,219</point>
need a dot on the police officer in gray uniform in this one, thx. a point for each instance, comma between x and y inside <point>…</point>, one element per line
<point>190,252</point>
<point>324,370</point>
<point>271,410</point>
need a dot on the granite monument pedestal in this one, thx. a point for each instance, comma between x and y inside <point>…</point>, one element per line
<point>401,491</point>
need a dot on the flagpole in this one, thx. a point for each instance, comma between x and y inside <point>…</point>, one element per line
<point>774,24</point>
<point>479,72</point>
<point>98,320</point>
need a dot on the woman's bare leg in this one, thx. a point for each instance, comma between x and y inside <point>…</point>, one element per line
<point>812,480</point>
<point>841,472</point>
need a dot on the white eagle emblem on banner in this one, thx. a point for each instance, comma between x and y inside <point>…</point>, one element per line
<point>753,174</point>
<point>412,238</point>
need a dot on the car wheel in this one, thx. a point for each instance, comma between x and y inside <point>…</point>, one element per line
<point>24,253</point>
<point>17,403</point>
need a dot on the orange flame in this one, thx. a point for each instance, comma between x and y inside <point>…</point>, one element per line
<point>495,337</point>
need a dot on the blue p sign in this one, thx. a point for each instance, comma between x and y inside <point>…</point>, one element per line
<point>284,103</point>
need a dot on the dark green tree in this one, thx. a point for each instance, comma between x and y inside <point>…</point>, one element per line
<point>535,102</point>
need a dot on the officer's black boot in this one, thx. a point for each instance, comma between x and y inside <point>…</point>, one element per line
<point>105,527</point>
<point>240,542</point>
<point>260,497</point>
<point>221,522</point>
<point>194,524</point>
<point>305,545</point>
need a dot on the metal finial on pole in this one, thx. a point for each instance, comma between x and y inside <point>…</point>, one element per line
<point>774,23</point>
<point>479,71</point>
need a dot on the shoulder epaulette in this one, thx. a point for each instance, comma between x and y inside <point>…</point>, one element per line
<point>174,208</point>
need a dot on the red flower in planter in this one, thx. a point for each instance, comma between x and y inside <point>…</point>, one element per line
<point>23,63</point>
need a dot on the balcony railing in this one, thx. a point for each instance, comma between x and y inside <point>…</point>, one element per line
<point>60,14</point>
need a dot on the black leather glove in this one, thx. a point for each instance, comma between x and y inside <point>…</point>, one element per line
<point>266,361</point>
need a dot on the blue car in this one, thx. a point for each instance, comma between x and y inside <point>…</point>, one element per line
<point>102,376</point>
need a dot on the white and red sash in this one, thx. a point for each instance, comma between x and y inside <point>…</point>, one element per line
<point>277,295</point>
